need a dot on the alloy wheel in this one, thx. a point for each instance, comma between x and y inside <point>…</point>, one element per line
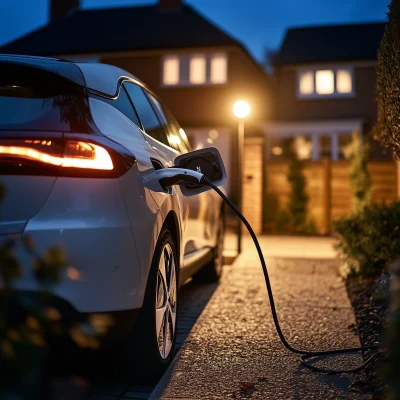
<point>166,301</point>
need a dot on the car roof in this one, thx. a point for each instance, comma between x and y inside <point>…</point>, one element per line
<point>66,69</point>
<point>102,78</point>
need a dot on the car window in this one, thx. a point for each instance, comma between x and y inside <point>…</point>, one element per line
<point>123,104</point>
<point>173,140</point>
<point>174,127</point>
<point>34,99</point>
<point>151,123</point>
<point>176,136</point>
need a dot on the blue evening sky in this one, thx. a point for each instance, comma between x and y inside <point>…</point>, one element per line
<point>259,24</point>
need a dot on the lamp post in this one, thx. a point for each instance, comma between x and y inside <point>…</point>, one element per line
<point>241,109</point>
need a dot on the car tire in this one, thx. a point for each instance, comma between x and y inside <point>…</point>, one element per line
<point>150,346</point>
<point>212,271</point>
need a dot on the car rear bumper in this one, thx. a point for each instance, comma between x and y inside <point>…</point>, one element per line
<point>102,272</point>
<point>87,220</point>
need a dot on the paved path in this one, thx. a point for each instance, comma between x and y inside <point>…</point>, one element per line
<point>192,300</point>
<point>233,350</point>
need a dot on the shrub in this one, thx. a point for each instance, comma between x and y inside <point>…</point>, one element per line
<point>299,221</point>
<point>387,128</point>
<point>390,370</point>
<point>270,209</point>
<point>368,241</point>
<point>359,174</point>
<point>298,199</point>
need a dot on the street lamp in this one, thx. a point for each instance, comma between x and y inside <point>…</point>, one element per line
<point>241,109</point>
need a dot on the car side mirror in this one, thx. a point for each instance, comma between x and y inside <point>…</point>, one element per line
<point>207,161</point>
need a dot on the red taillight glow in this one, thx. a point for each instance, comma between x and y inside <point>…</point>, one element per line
<point>86,155</point>
<point>76,155</point>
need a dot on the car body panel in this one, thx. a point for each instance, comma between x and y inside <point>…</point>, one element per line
<point>87,219</point>
<point>15,210</point>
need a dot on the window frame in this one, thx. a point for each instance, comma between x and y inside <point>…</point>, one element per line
<point>152,107</point>
<point>163,113</point>
<point>167,113</point>
<point>184,69</point>
<point>100,95</point>
<point>109,100</point>
<point>335,94</point>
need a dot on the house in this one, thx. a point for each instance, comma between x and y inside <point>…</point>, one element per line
<point>325,79</point>
<point>198,69</point>
<point>325,89</point>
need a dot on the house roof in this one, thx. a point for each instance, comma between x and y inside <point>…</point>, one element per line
<point>355,42</point>
<point>122,29</point>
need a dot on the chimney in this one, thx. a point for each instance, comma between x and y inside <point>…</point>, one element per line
<point>170,4</point>
<point>60,8</point>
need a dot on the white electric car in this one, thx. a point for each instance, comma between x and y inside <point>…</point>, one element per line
<point>76,141</point>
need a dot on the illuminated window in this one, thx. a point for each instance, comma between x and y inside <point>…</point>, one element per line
<point>197,69</point>
<point>219,68</point>
<point>307,82</point>
<point>332,82</point>
<point>343,81</point>
<point>324,82</point>
<point>171,70</point>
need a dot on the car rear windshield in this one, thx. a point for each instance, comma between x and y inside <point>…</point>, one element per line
<point>35,99</point>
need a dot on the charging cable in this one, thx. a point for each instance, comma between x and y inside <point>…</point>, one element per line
<point>305,354</point>
<point>162,180</point>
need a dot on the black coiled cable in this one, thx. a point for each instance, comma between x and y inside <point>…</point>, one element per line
<point>305,354</point>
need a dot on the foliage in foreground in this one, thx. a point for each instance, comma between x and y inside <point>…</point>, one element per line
<point>369,240</point>
<point>26,324</point>
<point>387,128</point>
<point>390,370</point>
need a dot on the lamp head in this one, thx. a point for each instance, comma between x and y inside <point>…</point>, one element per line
<point>241,109</point>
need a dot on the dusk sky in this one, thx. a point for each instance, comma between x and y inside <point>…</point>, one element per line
<point>259,24</point>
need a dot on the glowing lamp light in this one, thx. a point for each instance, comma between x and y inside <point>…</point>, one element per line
<point>241,109</point>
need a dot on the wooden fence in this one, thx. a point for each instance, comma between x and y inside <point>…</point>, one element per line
<point>328,188</point>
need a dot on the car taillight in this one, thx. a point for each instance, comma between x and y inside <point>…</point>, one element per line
<point>64,157</point>
<point>86,155</point>
<point>76,154</point>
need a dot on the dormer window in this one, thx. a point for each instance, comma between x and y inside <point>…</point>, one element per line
<point>195,69</point>
<point>316,83</point>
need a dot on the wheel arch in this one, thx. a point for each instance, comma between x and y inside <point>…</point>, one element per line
<point>172,224</point>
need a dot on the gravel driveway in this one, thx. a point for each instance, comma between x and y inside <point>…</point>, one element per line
<point>233,350</point>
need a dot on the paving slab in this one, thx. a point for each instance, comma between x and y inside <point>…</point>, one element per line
<point>233,350</point>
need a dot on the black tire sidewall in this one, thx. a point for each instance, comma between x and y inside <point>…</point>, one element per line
<point>147,360</point>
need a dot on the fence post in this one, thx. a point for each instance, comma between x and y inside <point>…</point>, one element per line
<point>327,195</point>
